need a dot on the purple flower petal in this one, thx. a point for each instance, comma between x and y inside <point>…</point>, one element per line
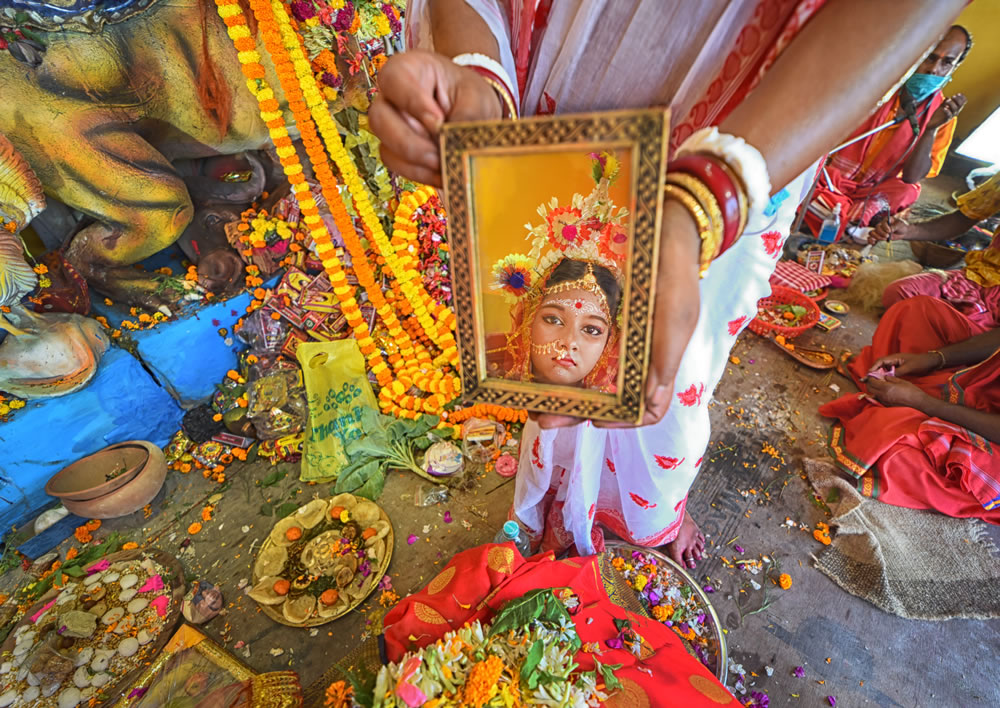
<point>615,643</point>
<point>738,549</point>
<point>411,539</point>
<point>709,589</point>
<point>447,517</point>
<point>799,672</point>
<point>832,701</point>
<point>654,598</point>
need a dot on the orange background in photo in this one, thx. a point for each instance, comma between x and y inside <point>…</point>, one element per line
<point>507,190</point>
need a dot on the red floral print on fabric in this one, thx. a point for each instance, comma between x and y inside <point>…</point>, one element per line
<point>590,512</point>
<point>773,241</point>
<point>534,453</point>
<point>692,396</point>
<point>611,465</point>
<point>546,105</point>
<point>700,460</point>
<point>678,505</point>
<point>668,463</point>
<point>640,501</point>
<point>736,325</point>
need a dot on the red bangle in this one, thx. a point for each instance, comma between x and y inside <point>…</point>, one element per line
<point>711,171</point>
<point>506,97</point>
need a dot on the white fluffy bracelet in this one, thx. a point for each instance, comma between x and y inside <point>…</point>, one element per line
<point>745,160</point>
<point>506,88</point>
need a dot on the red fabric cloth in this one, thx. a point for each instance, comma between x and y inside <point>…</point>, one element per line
<point>789,274</point>
<point>898,454</point>
<point>864,183</point>
<point>479,581</point>
<point>981,305</point>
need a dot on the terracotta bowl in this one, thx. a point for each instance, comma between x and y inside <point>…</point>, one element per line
<point>129,497</point>
<point>87,478</point>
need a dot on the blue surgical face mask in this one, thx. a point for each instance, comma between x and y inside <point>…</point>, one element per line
<point>921,86</point>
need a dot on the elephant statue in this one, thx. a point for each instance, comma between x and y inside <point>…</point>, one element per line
<point>135,114</point>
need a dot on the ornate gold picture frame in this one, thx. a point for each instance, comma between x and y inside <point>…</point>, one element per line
<point>553,227</point>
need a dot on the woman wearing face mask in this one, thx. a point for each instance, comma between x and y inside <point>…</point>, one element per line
<point>565,294</point>
<point>880,175</point>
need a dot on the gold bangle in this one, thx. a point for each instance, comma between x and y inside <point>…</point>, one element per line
<point>700,191</point>
<point>504,96</point>
<point>709,246</point>
<point>741,194</point>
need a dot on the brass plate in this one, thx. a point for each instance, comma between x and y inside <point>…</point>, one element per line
<point>274,611</point>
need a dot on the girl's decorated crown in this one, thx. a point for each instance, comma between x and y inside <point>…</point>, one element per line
<point>589,229</point>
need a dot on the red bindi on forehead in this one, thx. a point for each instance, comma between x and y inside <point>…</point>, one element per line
<point>579,305</point>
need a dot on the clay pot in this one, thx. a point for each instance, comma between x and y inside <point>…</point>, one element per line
<point>87,478</point>
<point>131,496</point>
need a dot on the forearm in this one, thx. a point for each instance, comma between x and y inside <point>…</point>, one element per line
<point>941,228</point>
<point>458,29</point>
<point>979,422</point>
<point>792,133</point>
<point>918,164</point>
<point>973,350</point>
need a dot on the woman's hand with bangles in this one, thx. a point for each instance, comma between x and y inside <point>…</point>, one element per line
<point>909,364</point>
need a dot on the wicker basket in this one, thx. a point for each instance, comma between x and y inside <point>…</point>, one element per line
<point>785,296</point>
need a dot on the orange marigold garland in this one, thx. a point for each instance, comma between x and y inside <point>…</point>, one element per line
<point>416,370</point>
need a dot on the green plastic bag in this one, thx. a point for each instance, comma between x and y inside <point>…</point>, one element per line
<point>338,391</point>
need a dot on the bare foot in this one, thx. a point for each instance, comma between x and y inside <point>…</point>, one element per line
<point>689,546</point>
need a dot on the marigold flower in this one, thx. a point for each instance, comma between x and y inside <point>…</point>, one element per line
<point>785,581</point>
<point>72,553</point>
<point>130,546</point>
<point>194,528</point>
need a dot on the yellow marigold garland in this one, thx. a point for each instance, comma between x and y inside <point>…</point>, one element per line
<point>414,365</point>
<point>423,306</point>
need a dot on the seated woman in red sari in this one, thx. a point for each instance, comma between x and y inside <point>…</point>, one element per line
<point>880,175</point>
<point>927,434</point>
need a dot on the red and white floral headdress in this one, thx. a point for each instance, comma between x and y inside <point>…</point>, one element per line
<point>590,229</point>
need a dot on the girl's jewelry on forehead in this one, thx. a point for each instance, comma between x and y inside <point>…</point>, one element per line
<point>576,305</point>
<point>587,283</point>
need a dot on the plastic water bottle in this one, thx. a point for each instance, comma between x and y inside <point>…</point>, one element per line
<point>831,226</point>
<point>512,531</point>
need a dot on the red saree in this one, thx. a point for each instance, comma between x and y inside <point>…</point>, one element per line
<point>477,582</point>
<point>899,455</point>
<point>864,175</point>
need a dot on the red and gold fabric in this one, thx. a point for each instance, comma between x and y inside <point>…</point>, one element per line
<point>476,583</point>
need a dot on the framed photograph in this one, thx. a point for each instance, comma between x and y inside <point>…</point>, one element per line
<point>192,670</point>
<point>552,227</point>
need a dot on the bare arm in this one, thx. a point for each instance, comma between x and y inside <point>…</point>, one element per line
<point>974,350</point>
<point>941,228</point>
<point>918,164</point>
<point>459,29</point>
<point>791,122</point>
